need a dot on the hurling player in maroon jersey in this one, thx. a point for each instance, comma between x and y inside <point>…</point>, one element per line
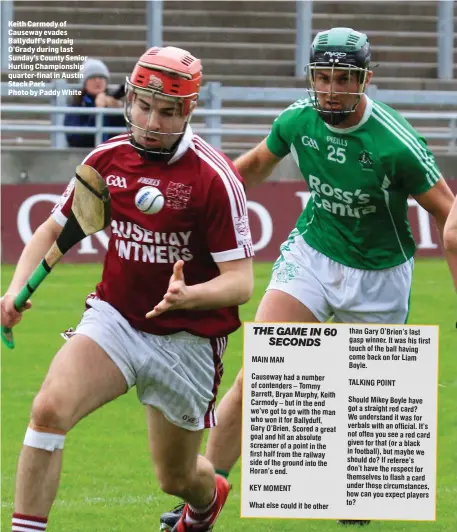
<point>167,300</point>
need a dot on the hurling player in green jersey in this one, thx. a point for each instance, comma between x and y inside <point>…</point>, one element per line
<point>350,256</point>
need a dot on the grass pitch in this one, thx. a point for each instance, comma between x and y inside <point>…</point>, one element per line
<point>107,481</point>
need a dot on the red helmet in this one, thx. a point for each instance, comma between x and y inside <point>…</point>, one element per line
<point>171,71</point>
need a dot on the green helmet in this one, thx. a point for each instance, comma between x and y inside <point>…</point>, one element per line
<point>340,49</point>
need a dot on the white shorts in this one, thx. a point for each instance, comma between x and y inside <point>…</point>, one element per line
<point>347,295</point>
<point>179,374</point>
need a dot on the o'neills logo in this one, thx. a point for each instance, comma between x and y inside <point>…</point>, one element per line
<point>149,181</point>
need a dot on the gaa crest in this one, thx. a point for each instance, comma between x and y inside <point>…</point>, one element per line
<point>178,195</point>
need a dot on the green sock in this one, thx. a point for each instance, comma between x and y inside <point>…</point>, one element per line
<point>222,473</point>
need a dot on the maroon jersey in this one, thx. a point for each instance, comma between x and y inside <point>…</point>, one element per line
<point>204,221</point>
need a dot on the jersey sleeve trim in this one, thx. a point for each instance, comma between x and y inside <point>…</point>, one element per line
<point>233,254</point>
<point>277,153</point>
<point>60,218</point>
<point>432,173</point>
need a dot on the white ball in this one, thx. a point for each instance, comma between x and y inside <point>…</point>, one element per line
<point>149,200</point>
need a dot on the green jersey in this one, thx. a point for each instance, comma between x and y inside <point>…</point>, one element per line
<point>359,179</point>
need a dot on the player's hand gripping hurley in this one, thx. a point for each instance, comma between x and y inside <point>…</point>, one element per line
<point>90,213</point>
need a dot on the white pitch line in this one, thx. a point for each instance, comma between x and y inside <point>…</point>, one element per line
<point>108,501</point>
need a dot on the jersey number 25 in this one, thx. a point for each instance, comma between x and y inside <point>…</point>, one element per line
<point>338,155</point>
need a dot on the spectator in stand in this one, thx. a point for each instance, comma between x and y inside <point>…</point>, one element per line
<point>94,94</point>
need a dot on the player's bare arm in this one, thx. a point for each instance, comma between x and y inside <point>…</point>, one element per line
<point>234,286</point>
<point>32,254</point>
<point>257,164</point>
<point>438,202</point>
<point>450,229</point>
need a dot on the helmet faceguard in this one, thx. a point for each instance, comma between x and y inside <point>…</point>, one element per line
<point>161,95</point>
<point>336,50</point>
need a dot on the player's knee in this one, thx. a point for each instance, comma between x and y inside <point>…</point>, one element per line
<point>173,483</point>
<point>48,413</point>
<point>46,430</point>
<point>450,240</point>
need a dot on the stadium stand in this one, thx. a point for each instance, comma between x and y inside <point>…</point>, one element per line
<point>250,44</point>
